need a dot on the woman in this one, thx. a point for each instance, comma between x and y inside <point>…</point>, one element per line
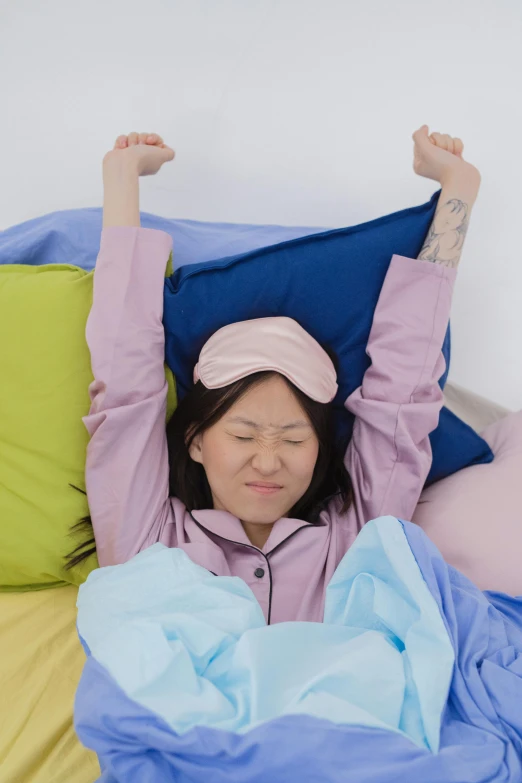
<point>255,487</point>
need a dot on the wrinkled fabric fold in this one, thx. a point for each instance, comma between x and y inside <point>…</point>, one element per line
<point>195,649</point>
<point>415,673</point>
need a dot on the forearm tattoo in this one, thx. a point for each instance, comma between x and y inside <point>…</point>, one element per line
<point>443,244</point>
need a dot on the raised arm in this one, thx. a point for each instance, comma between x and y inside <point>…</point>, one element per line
<point>399,402</point>
<point>127,460</point>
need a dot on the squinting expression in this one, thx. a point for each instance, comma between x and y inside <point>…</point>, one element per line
<point>260,456</point>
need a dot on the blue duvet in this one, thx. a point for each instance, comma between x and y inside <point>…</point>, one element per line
<point>415,675</point>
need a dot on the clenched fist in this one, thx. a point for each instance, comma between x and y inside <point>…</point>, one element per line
<point>145,151</point>
<point>438,156</point>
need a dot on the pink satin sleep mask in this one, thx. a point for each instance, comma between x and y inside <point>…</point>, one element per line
<point>279,344</point>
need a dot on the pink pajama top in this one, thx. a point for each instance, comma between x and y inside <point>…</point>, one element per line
<point>127,471</point>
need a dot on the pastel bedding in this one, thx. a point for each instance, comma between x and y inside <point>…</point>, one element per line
<point>41,661</point>
<point>42,658</point>
<point>463,720</point>
<point>414,671</point>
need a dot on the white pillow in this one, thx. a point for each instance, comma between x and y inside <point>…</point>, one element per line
<point>474,517</point>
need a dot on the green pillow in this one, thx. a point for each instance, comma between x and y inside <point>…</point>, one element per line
<point>45,372</point>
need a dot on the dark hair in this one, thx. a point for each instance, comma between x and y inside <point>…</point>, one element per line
<point>199,410</point>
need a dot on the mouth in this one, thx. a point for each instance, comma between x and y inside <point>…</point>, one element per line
<point>265,487</point>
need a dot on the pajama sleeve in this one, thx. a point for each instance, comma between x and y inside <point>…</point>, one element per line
<point>398,403</point>
<point>127,458</point>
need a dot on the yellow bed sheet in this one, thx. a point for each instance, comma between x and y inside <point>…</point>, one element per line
<point>41,660</point>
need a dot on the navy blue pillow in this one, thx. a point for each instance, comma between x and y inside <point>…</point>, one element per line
<point>330,283</point>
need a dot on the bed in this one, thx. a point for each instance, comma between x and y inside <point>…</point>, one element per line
<point>42,660</point>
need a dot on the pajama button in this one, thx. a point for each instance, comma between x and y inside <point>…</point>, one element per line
<point>259,572</point>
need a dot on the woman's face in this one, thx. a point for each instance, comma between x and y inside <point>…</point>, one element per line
<point>260,456</point>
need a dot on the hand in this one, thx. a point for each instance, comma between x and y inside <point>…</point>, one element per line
<point>145,151</point>
<point>439,156</point>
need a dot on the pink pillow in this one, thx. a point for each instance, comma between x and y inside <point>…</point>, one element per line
<point>474,517</point>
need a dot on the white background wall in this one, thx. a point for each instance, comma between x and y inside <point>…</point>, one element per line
<point>296,112</point>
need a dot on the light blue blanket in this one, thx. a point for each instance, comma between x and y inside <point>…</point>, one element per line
<point>414,671</point>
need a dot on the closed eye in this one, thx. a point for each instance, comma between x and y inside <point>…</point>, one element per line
<point>292,442</point>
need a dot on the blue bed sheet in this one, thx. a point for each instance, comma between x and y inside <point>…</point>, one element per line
<point>414,675</point>
<point>72,236</point>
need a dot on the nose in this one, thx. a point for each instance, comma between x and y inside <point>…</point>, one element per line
<point>266,461</point>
